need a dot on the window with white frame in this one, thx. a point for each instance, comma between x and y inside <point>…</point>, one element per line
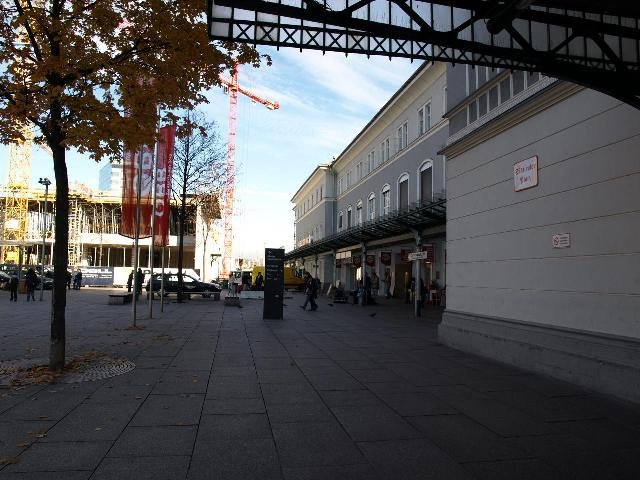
<point>385,150</point>
<point>340,221</point>
<point>403,136</point>
<point>371,206</point>
<point>425,182</point>
<point>371,161</point>
<point>348,178</point>
<point>385,200</point>
<point>403,192</point>
<point>359,213</point>
<point>424,119</point>
<point>359,173</point>
<point>349,217</point>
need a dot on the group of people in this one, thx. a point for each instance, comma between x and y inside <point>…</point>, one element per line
<point>31,281</point>
<point>77,280</point>
<point>139,280</point>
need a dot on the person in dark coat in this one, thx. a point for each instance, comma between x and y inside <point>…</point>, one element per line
<point>77,280</point>
<point>139,281</point>
<point>32,281</point>
<point>130,281</point>
<point>13,287</point>
<point>68,280</point>
<point>311,290</point>
<point>259,281</point>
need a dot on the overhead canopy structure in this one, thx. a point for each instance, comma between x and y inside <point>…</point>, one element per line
<point>418,216</point>
<point>595,43</point>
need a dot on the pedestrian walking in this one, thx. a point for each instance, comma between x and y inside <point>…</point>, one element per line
<point>366,299</point>
<point>259,281</point>
<point>387,283</point>
<point>130,282</point>
<point>139,281</point>
<point>13,287</point>
<point>375,284</point>
<point>31,280</point>
<point>68,280</point>
<point>311,291</point>
<point>77,280</point>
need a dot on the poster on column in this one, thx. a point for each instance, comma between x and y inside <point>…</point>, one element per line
<point>273,283</point>
<point>130,172</point>
<point>164,169</point>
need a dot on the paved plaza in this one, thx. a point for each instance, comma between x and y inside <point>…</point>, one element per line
<point>345,392</point>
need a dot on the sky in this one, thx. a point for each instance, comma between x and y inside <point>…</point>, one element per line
<point>325,100</point>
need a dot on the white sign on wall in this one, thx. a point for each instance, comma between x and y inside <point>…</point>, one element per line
<point>561,240</point>
<point>525,174</point>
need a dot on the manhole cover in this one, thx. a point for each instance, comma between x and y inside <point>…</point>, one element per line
<point>99,370</point>
<point>33,371</point>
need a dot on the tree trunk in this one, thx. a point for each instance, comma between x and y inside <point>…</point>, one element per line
<point>61,253</point>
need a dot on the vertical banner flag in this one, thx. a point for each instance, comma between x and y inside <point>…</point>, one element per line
<point>129,192</point>
<point>163,184</point>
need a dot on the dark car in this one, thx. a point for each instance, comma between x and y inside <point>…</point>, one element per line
<point>191,284</point>
<point>4,280</point>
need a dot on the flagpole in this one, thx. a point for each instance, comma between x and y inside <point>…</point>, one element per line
<point>153,219</point>
<point>136,244</point>
<point>162,283</point>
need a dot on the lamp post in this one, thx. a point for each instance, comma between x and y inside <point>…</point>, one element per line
<point>46,182</point>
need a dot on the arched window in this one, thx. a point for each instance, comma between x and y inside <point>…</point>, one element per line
<point>403,192</point>
<point>385,200</point>
<point>349,217</point>
<point>371,206</point>
<point>340,221</point>
<point>359,218</point>
<point>425,182</point>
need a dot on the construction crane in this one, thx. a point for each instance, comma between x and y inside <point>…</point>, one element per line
<point>234,88</point>
<point>15,225</point>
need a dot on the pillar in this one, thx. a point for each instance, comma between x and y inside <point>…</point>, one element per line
<point>418,276</point>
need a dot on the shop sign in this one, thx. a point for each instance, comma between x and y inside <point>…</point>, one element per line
<point>561,240</point>
<point>525,174</point>
<point>430,250</point>
<point>385,258</point>
<point>371,260</point>
<point>417,256</point>
<point>357,261</point>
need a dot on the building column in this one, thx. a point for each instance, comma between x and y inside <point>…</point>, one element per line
<point>108,256</point>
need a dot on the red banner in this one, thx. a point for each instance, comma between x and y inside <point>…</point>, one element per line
<point>164,169</point>
<point>431,252</point>
<point>130,170</point>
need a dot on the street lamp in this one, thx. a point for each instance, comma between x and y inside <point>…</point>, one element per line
<point>46,182</point>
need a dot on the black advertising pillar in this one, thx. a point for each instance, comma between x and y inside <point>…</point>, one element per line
<point>273,283</point>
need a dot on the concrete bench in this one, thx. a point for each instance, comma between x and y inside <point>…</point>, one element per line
<point>120,298</point>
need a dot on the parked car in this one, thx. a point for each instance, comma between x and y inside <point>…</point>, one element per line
<point>4,280</point>
<point>191,284</point>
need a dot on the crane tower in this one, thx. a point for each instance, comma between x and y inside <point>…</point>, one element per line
<point>234,87</point>
<point>16,212</point>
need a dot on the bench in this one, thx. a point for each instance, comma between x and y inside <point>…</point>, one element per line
<point>120,298</point>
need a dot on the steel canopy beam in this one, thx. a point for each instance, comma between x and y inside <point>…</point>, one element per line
<point>592,43</point>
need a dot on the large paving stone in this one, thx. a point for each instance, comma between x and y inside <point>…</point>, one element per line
<point>314,444</point>
<point>182,409</point>
<point>233,406</point>
<point>156,441</point>
<point>417,459</point>
<point>142,468</point>
<point>523,469</point>
<point>315,412</point>
<point>219,428</point>
<point>373,422</point>
<point>341,472</point>
<point>16,435</point>
<point>60,457</point>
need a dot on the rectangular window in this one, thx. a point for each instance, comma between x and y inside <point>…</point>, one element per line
<point>421,128</point>
<point>424,119</point>
<point>359,174</point>
<point>426,193</point>
<point>403,195</point>
<point>359,214</point>
<point>444,101</point>
<point>371,206</point>
<point>386,202</point>
<point>532,77</point>
<point>473,111</point>
<point>518,81</point>
<point>387,148</point>
<point>403,133</point>
<point>505,89</point>
<point>493,97</point>
<point>349,218</point>
<point>482,105</point>
<point>340,221</point>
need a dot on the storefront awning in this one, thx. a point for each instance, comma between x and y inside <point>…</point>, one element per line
<point>417,217</point>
